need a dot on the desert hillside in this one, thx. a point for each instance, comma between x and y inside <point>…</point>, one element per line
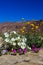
<point>28,26</point>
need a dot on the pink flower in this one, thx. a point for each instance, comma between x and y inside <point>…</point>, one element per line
<point>14,50</point>
<point>25,50</point>
<point>6,50</point>
<point>20,50</point>
<point>36,49</point>
<point>33,46</point>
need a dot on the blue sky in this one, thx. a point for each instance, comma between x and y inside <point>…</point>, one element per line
<point>12,10</point>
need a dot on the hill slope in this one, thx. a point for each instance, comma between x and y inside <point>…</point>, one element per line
<point>28,26</point>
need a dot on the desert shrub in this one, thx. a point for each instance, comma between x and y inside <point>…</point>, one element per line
<point>29,39</point>
<point>37,40</point>
<point>34,39</point>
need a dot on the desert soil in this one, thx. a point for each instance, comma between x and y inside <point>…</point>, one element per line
<point>30,58</point>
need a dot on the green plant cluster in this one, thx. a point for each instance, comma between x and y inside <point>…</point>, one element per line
<point>34,38</point>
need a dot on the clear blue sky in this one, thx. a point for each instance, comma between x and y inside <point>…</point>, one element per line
<point>11,10</point>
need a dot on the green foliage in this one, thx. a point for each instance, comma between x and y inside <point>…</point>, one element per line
<point>37,40</point>
<point>29,40</point>
<point>34,39</point>
<point>42,39</point>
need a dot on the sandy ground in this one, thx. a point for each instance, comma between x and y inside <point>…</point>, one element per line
<point>29,58</point>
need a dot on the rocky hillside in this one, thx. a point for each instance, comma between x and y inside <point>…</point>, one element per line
<point>28,26</point>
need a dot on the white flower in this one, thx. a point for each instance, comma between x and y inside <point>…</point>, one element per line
<point>14,43</point>
<point>24,39</point>
<point>19,43</point>
<point>13,32</point>
<point>22,46</point>
<point>18,37</point>
<point>7,39</point>
<point>22,43</point>
<point>29,47</point>
<point>6,34</point>
<point>12,39</point>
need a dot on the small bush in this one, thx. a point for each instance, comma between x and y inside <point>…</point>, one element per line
<point>34,39</point>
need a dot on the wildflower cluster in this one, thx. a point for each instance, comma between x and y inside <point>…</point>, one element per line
<point>14,42</point>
